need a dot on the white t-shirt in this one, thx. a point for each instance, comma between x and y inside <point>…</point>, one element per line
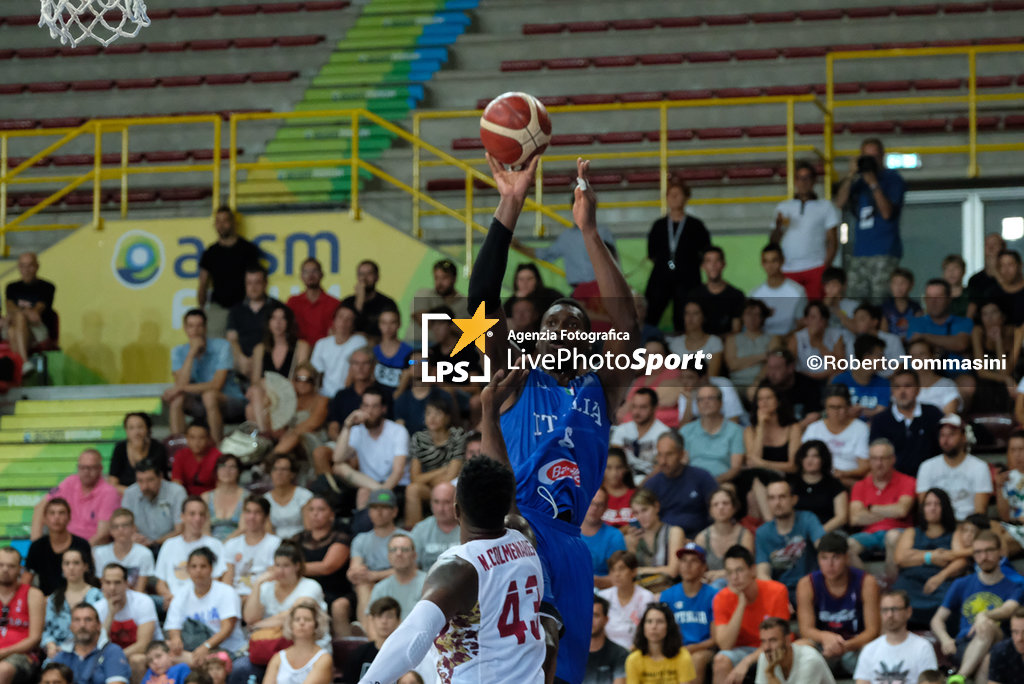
<point>640,451</point>
<point>331,359</point>
<point>220,603</point>
<point>786,302</point>
<point>809,667</point>
<point>377,456</point>
<point>677,345</point>
<point>805,350</point>
<point>971,477</point>
<point>624,619</point>
<point>306,588</point>
<point>138,610</point>
<point>846,447</point>
<point>803,240</point>
<point>732,407</point>
<point>883,663</point>
<point>138,562</point>
<point>250,561</point>
<point>287,519</point>
<point>172,563</point>
<point>941,393</point>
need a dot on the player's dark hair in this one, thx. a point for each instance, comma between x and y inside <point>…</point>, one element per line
<point>485,493</point>
<point>650,394</point>
<point>740,552</point>
<point>775,623</point>
<point>605,605</point>
<point>824,455</point>
<point>673,641</point>
<point>569,301</point>
<point>833,542</point>
<point>383,605</point>
<point>205,552</point>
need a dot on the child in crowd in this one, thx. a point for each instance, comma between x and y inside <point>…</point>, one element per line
<point>218,666</point>
<point>898,307</point>
<point>195,464</point>
<point>161,666</point>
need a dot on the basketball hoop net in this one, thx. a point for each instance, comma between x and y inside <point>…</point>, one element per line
<point>102,20</point>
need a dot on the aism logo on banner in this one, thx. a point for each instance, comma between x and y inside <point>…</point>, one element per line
<point>138,259</point>
<point>474,331</point>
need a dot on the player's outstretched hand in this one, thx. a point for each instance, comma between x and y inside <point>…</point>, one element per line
<point>503,384</point>
<point>584,208</point>
<point>513,183</point>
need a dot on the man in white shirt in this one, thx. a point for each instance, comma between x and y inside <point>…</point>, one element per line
<point>784,297</point>
<point>172,563</point>
<point>898,655</point>
<point>128,617</point>
<point>783,663</point>
<point>439,532</point>
<point>806,228</point>
<point>965,478</point>
<point>250,554</point>
<point>330,354</point>
<point>376,446</point>
<point>136,559</point>
<point>639,437</point>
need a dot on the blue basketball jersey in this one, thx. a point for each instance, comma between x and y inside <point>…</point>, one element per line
<point>557,439</point>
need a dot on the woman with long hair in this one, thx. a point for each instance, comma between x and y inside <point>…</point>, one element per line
<point>659,656</point>
<point>929,555</point>
<point>79,585</point>
<point>723,533</point>
<point>817,338</point>
<point>618,482</point>
<point>305,429</point>
<point>993,338</point>
<point>816,489</point>
<point>527,284</point>
<point>286,498</point>
<point>654,542</point>
<point>436,455</point>
<point>326,552</point>
<point>304,662</point>
<point>693,338</point>
<point>846,436</point>
<point>280,351</point>
<point>137,446</point>
<point>770,443</point>
<point>226,499</point>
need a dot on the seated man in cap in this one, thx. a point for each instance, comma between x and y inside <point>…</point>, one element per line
<point>369,563</point>
<point>690,602</point>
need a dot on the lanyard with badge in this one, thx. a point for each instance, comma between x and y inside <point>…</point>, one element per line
<point>674,233</point>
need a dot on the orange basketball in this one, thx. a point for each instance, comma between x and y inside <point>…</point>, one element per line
<point>514,127</point>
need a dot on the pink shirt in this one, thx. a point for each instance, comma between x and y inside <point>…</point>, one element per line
<point>87,510</point>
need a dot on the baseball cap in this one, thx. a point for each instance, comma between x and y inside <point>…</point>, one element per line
<point>952,419</point>
<point>694,549</point>
<point>383,497</point>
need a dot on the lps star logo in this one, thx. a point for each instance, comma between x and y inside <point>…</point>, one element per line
<point>474,331</point>
<point>138,259</point>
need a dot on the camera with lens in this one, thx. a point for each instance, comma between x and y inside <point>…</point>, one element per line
<point>867,164</point>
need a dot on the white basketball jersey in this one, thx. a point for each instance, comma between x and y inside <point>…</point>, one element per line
<point>502,639</point>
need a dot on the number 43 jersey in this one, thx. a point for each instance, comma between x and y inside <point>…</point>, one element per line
<point>501,640</point>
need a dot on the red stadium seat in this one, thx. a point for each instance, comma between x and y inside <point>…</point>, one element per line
<point>643,177</point>
<point>719,56</point>
<point>818,128</point>
<point>553,100</point>
<point>568,63</point>
<point>747,55</point>
<point>994,81</point>
<point>48,87</point>
<point>273,76</point>
<point>949,43</point>
<point>134,83</point>
<point>964,7</point>
<point>727,19</point>
<point>923,125</point>
<point>80,51</point>
<point>1007,5</point>
<point>207,154</point>
<point>177,46</point>
<point>522,65</point>
<point>62,122</point>
<point>1014,121</point>
<point>886,86</point>
<point>985,123</point>
<point>575,139</point>
<point>672,134</point>
<point>592,99</point>
<point>183,194</point>
<point>820,15</point>
<point>738,92</point>
<point>719,133</point>
<point>620,137</point>
<point>678,22</point>
<point>11,88</point>
<point>652,96</point>
<point>37,53</point>
<point>159,14</point>
<point>773,17</point>
<point>851,47</point>
<point>862,127</point>
<point>633,24</point>
<point>700,174</point>
<point>540,29</point>
<point>749,172</point>
<point>617,61</point>
<point>1000,41</point>
<point>193,12</point>
<point>73,160</point>
<point>84,197</point>
<point>17,125</point>
<point>773,131</point>
<point>587,26</point>
<point>98,84</point>
<point>443,184</point>
<point>689,94</point>
<point>124,48</point>
<point>280,7</point>
<point>141,196</point>
<point>608,178</point>
<point>796,52</point>
<point>868,12</point>
<point>788,90</point>
<point>557,180</point>
<point>325,5</point>
<point>902,45</point>
<point>6,54</point>
<point>181,81</point>
<point>916,10</point>
<point>254,42</point>
<point>838,88</point>
<point>114,158</point>
<point>664,58</point>
<point>212,44</point>
<point>226,79</point>
<point>299,41</point>
<point>938,84</point>
<point>165,156</point>
<point>23,20</point>
<point>467,144</point>
<point>237,10</point>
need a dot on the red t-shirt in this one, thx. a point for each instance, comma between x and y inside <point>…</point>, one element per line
<point>619,512</point>
<point>772,601</point>
<point>197,474</point>
<point>17,623</point>
<point>868,494</point>
<point>313,319</point>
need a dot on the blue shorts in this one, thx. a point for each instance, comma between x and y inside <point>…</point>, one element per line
<point>871,541</point>
<point>569,586</point>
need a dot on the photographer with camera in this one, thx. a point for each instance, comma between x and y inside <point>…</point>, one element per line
<point>874,195</point>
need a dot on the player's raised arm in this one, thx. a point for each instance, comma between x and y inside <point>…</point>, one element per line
<point>491,262</point>
<point>615,293</point>
<point>503,385</point>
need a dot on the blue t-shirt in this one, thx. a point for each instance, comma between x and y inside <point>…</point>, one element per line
<point>176,674</point>
<point>684,499</point>
<point>714,452</point>
<point>791,556</point>
<point>693,614</point>
<point>216,357</point>
<point>607,541</point>
<point>388,369</point>
<point>875,393</point>
<point>874,235</point>
<point>100,666</point>
<point>969,596</point>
